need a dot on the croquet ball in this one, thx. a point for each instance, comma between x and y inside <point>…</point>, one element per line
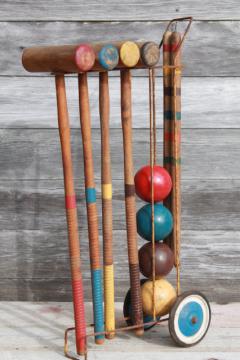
<point>164,260</point>
<point>165,297</point>
<point>162,183</point>
<point>163,222</point>
<point>127,311</point>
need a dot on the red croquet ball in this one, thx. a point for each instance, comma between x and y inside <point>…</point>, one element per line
<point>161,180</point>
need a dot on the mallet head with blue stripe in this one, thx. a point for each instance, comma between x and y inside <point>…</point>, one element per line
<point>108,57</point>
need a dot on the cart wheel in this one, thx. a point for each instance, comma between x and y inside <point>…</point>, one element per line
<point>189,318</point>
<point>127,311</point>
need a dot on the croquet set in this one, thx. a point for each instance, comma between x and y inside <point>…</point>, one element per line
<point>152,299</point>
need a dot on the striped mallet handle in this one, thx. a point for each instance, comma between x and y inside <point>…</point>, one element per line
<point>71,214</point>
<point>172,117</point>
<point>106,205</point>
<point>96,271</point>
<point>126,116</point>
<point>176,151</point>
<point>167,123</point>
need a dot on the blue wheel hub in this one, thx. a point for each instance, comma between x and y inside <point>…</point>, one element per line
<point>190,318</point>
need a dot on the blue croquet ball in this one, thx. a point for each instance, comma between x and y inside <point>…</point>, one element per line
<point>163,222</point>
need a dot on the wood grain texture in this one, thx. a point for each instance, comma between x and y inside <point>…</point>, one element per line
<point>39,205</point>
<point>206,102</point>
<point>32,270</point>
<point>26,336</point>
<point>211,154</point>
<point>33,226</point>
<point>113,10</point>
<point>33,261</point>
<point>212,48</point>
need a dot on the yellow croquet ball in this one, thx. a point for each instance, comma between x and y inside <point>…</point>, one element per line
<point>165,296</point>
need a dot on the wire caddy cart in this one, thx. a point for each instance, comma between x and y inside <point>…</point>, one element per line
<point>152,300</point>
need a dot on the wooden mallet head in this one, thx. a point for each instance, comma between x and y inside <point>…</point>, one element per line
<point>150,53</point>
<point>129,53</point>
<point>108,57</point>
<point>84,57</point>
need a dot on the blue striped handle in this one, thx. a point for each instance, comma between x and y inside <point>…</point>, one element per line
<point>169,115</point>
<point>97,302</point>
<point>90,195</point>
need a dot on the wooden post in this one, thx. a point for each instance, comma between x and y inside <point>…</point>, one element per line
<point>126,116</point>
<point>172,130</point>
<point>96,271</point>
<point>167,124</point>
<point>71,214</point>
<point>176,151</point>
<point>106,205</point>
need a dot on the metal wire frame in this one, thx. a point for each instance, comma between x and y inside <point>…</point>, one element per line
<point>182,19</point>
<point>118,330</point>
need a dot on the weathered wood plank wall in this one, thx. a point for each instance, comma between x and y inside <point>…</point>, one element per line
<point>34,260</point>
<point>212,47</point>
<point>113,10</point>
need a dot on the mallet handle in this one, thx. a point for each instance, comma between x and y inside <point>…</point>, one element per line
<point>71,214</point>
<point>106,205</point>
<point>176,148</point>
<point>172,129</point>
<point>126,116</point>
<point>167,115</point>
<point>92,215</point>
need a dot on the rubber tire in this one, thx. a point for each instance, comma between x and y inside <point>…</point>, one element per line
<point>172,317</point>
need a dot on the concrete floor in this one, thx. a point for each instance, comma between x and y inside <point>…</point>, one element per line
<point>34,331</point>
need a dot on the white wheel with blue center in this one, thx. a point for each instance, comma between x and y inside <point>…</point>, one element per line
<point>189,318</point>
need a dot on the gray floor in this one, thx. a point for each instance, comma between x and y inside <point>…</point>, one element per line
<point>34,331</point>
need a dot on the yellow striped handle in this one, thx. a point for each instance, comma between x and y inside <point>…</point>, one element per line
<point>109,300</point>
<point>107,191</point>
